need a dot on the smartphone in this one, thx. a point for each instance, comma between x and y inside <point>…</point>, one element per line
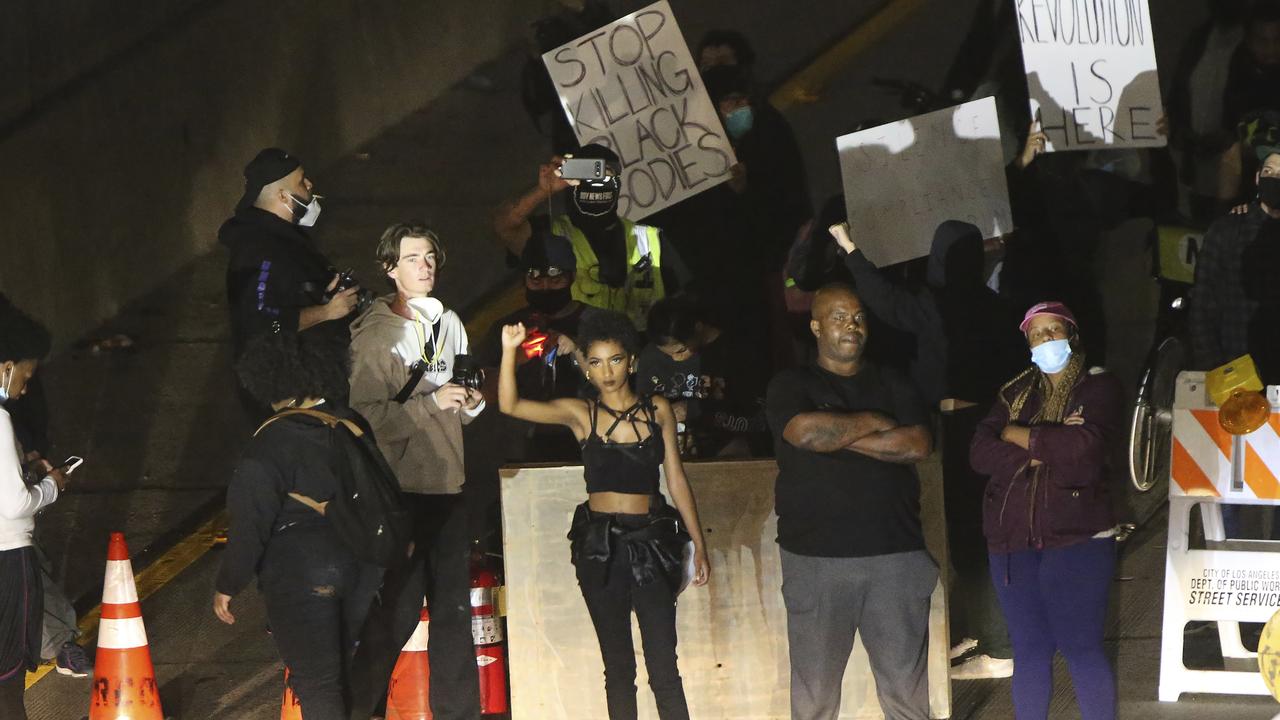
<point>69,465</point>
<point>582,169</point>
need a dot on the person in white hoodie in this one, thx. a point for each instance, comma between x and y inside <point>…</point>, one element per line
<point>23,493</point>
<point>405,355</point>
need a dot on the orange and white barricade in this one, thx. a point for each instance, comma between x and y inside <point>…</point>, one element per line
<point>1211,468</point>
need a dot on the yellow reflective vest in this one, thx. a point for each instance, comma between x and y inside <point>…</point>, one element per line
<point>643,286</point>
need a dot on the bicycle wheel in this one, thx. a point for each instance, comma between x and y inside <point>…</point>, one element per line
<point>1151,428</point>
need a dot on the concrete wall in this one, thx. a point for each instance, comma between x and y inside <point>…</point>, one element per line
<point>47,46</point>
<point>119,179</point>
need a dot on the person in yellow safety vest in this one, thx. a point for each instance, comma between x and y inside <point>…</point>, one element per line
<point>622,265</point>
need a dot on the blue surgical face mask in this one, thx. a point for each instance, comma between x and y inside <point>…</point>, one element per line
<point>1052,356</point>
<point>739,122</point>
<point>4,385</point>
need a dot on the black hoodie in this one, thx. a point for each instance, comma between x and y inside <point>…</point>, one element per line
<point>967,340</point>
<point>273,273</point>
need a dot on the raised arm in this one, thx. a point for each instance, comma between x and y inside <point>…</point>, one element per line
<point>681,493</point>
<point>901,308</point>
<point>511,222</point>
<point>569,412</point>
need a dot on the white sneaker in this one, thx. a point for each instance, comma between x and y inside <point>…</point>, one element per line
<point>962,647</point>
<point>983,667</point>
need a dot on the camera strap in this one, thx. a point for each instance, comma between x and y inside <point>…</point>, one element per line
<point>415,375</point>
<point>419,368</point>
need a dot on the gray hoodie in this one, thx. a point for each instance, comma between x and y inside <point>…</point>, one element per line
<point>422,443</point>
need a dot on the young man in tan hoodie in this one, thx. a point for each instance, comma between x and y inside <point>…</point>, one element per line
<point>404,351</point>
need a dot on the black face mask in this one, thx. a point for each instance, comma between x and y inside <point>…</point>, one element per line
<point>549,302</point>
<point>1269,192</point>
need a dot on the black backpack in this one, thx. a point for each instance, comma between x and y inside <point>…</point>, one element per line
<point>366,512</point>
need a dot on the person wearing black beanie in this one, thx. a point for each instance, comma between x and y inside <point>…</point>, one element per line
<point>277,280</point>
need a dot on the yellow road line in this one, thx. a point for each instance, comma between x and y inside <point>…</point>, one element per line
<point>194,546</point>
<point>806,85</point>
<point>150,580</point>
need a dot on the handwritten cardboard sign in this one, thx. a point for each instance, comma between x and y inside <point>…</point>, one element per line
<point>903,179</point>
<point>1091,72</point>
<point>633,87</point>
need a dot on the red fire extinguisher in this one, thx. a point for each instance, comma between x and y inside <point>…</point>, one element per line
<point>486,634</point>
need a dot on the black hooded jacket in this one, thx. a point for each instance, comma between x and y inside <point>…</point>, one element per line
<point>967,340</point>
<point>273,273</point>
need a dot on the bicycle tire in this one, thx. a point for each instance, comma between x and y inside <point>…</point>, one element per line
<point>1151,427</point>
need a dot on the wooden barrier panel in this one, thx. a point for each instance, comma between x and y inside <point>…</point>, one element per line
<point>733,640</point>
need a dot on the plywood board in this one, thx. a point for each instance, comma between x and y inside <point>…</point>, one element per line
<point>732,647</point>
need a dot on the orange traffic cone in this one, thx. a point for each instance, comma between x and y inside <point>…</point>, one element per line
<point>124,683</point>
<point>290,708</point>
<point>408,695</point>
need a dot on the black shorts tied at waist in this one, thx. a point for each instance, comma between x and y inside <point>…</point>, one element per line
<point>654,542</point>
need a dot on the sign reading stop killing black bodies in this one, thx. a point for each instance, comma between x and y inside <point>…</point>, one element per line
<point>1091,72</point>
<point>633,87</point>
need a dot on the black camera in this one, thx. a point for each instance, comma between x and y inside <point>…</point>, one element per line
<point>467,372</point>
<point>346,280</point>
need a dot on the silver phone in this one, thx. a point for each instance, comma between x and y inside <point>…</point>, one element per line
<point>582,169</point>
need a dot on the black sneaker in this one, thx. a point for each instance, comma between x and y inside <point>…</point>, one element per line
<point>74,661</point>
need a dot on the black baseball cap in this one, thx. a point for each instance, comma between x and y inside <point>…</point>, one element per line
<point>266,167</point>
<point>544,251</point>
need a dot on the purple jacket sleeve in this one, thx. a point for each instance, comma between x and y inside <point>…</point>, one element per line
<point>988,454</point>
<point>1099,401</point>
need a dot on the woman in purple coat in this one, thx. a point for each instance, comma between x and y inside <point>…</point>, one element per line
<point>1047,514</point>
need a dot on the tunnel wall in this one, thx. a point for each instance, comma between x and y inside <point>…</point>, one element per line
<point>116,179</point>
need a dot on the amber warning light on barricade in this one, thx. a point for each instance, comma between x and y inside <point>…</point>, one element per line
<point>1235,388</point>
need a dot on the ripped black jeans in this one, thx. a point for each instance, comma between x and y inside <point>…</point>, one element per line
<point>317,596</point>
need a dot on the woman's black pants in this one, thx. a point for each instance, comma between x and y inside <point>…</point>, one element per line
<point>611,593</point>
<point>317,596</point>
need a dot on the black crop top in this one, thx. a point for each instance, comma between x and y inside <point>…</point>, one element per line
<point>623,467</point>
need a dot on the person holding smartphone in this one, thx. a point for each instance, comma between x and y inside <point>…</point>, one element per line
<point>23,344</point>
<point>621,265</point>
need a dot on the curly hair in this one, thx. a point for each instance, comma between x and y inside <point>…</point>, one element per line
<point>21,336</point>
<point>608,326</point>
<point>283,366</point>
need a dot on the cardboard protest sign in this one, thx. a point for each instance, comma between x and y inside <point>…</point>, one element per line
<point>633,86</point>
<point>903,179</point>
<point>1091,72</point>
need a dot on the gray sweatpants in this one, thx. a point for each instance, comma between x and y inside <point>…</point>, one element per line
<point>829,600</point>
<point>59,616</point>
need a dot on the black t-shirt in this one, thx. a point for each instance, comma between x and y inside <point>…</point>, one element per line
<point>844,504</point>
<point>723,385</point>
